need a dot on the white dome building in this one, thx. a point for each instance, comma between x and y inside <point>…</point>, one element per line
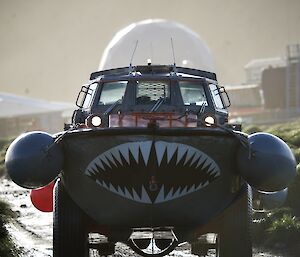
<point>152,40</point>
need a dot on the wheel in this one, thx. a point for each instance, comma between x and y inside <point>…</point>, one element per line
<point>70,237</point>
<point>234,239</point>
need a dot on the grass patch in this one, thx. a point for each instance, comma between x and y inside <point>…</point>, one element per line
<point>281,227</point>
<point>4,143</point>
<point>7,247</point>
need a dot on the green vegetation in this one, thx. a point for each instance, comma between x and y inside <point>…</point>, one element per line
<point>281,227</point>
<point>4,143</point>
<point>7,247</point>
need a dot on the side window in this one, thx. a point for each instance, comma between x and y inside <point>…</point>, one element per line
<point>89,96</point>
<point>192,93</point>
<point>112,92</point>
<point>86,95</point>
<point>216,96</point>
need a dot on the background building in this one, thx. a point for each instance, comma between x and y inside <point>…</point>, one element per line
<point>22,114</point>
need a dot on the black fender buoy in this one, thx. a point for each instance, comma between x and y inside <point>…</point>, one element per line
<point>269,165</point>
<point>33,160</point>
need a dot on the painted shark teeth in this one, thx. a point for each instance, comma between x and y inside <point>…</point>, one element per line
<point>119,168</point>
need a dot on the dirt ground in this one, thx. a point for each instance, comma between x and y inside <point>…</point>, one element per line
<point>32,230</point>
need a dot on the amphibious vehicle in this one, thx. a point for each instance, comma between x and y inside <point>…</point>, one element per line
<point>150,160</point>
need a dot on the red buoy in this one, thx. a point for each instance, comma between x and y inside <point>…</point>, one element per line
<point>42,198</point>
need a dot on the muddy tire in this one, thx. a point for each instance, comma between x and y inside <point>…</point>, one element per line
<point>235,237</point>
<point>69,233</point>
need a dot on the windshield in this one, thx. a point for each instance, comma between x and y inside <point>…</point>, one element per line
<point>192,93</point>
<point>149,91</point>
<point>112,92</point>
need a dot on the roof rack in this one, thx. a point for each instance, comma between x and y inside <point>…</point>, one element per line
<point>153,69</point>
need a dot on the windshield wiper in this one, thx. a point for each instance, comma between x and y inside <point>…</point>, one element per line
<point>157,104</point>
<point>112,107</point>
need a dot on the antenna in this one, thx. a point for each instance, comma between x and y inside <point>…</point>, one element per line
<point>173,52</point>
<point>136,44</point>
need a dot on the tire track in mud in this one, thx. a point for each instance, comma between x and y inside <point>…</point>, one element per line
<point>31,230</point>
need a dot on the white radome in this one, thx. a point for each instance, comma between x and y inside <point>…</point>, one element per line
<point>154,42</point>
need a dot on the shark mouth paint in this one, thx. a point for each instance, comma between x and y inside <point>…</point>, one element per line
<point>153,171</point>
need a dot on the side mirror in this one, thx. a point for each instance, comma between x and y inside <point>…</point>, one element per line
<point>225,97</point>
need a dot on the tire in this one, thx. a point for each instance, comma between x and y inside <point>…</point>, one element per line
<point>235,236</point>
<point>70,237</point>
<point>199,249</point>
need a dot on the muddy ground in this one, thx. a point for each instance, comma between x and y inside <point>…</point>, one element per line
<point>32,230</point>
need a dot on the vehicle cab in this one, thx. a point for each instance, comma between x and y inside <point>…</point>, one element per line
<point>141,96</point>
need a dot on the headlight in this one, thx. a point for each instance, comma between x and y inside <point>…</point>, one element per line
<point>93,121</point>
<point>96,121</point>
<point>209,121</point>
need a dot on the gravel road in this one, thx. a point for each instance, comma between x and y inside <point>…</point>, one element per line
<point>32,230</point>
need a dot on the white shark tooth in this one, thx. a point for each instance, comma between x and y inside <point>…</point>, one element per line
<point>200,186</point>
<point>116,154</point>
<point>89,172</point>
<point>120,191</point>
<point>91,168</point>
<point>215,172</point>
<point>136,196</point>
<point>145,149</point>
<point>112,189</point>
<point>134,149</point>
<point>98,162</point>
<point>207,163</point>
<point>127,194</point>
<point>201,160</point>
<point>161,195</point>
<point>171,148</point>
<point>99,182</point>
<point>184,191</point>
<point>192,189</point>
<point>176,194</point>
<point>160,148</point>
<point>212,168</point>
<point>124,151</point>
<point>105,185</point>
<point>109,157</point>
<point>181,151</point>
<point>196,157</point>
<point>104,160</point>
<point>205,184</point>
<point>145,197</point>
<point>189,155</point>
<point>94,169</point>
<point>169,195</point>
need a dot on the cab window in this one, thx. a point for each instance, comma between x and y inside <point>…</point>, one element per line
<point>192,93</point>
<point>112,92</point>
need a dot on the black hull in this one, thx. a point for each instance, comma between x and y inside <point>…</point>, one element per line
<point>188,209</point>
